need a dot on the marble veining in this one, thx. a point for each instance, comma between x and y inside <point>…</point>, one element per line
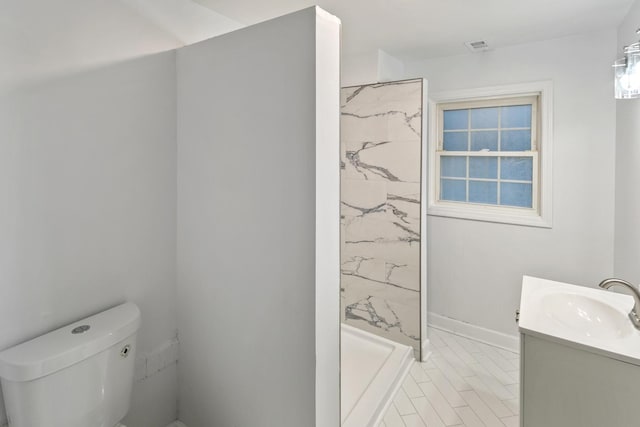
<point>407,118</point>
<point>353,266</point>
<point>353,157</point>
<point>380,209</point>
<point>370,310</point>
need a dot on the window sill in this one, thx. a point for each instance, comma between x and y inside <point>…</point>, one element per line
<point>502,215</point>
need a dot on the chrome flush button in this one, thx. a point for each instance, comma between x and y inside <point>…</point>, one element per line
<point>81,329</point>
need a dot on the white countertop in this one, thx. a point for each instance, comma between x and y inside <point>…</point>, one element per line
<point>571,315</point>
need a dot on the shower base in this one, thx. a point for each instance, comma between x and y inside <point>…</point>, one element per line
<point>372,370</point>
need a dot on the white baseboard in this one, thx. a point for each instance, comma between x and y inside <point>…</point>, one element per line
<point>478,333</point>
<point>173,424</point>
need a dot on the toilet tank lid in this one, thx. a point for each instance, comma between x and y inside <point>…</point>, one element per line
<point>70,344</point>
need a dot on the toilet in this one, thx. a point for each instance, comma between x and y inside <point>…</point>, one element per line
<point>80,375</point>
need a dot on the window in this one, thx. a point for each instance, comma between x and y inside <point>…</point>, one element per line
<point>490,155</point>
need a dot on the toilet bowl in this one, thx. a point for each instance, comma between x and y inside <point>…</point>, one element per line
<point>80,375</point>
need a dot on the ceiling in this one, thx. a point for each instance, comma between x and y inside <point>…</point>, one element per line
<point>41,39</point>
<point>48,38</point>
<point>412,29</point>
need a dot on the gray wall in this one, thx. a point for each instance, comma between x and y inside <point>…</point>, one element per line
<point>247,224</point>
<point>627,246</point>
<point>476,268</point>
<point>87,209</point>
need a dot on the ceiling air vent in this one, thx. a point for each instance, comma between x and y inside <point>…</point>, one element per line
<point>477,46</point>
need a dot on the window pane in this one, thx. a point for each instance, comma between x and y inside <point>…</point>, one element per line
<point>484,118</point>
<point>453,190</point>
<point>515,140</point>
<point>455,141</point>
<point>483,192</point>
<point>518,116</point>
<point>483,167</point>
<point>484,140</point>
<point>514,194</point>
<point>453,167</point>
<point>516,168</point>
<point>456,119</point>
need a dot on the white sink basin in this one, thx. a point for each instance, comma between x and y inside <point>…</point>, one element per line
<point>586,315</point>
<point>591,319</point>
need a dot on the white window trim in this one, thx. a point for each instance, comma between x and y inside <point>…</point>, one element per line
<point>540,217</point>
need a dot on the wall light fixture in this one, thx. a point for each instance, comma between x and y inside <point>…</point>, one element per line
<point>627,72</point>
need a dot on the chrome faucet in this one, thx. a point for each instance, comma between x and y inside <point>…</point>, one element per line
<point>633,314</point>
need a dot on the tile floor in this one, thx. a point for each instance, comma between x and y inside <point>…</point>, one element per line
<point>464,383</point>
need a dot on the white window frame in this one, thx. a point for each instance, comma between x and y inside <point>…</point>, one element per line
<point>540,215</point>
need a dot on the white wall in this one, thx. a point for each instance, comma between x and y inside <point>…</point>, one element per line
<point>389,67</point>
<point>359,69</point>
<point>87,209</point>
<point>248,130</point>
<point>475,268</point>
<point>327,218</point>
<point>627,247</point>
<point>371,67</point>
<point>41,39</point>
<point>187,20</point>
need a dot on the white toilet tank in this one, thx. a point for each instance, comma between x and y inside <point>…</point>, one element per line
<point>80,375</point>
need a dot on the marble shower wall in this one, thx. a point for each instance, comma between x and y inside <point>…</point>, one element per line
<point>380,213</point>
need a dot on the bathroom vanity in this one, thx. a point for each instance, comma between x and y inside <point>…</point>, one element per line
<point>580,357</point>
